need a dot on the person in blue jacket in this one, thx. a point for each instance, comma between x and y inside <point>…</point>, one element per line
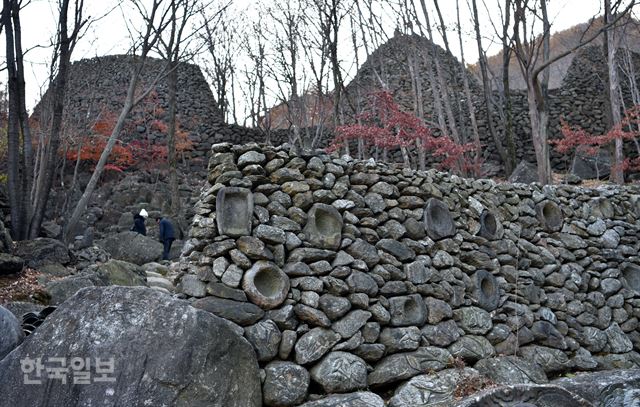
<point>167,236</point>
<point>138,222</point>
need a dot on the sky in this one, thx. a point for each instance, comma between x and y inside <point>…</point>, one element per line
<point>108,35</point>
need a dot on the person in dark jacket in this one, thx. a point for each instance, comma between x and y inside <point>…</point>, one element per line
<point>138,222</point>
<point>167,236</point>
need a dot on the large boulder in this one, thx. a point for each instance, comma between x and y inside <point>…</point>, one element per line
<point>525,395</point>
<point>118,272</point>
<point>525,173</point>
<point>41,251</point>
<point>132,247</point>
<point>6,243</point>
<point>592,167</point>
<point>10,264</point>
<point>137,329</point>
<point>607,388</point>
<point>10,332</point>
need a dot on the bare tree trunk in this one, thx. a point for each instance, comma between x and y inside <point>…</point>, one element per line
<point>617,173</point>
<point>467,93</point>
<point>486,87</point>
<point>58,94</point>
<point>171,139</point>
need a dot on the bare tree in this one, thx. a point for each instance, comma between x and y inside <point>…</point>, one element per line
<point>156,20</point>
<point>528,48</point>
<point>611,44</point>
<point>65,44</point>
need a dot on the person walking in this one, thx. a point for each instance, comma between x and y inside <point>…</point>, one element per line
<point>167,236</point>
<point>138,222</point>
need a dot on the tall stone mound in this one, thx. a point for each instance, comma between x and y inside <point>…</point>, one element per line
<point>98,86</point>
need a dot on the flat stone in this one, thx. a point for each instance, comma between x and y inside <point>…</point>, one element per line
<point>340,372</point>
<point>315,344</point>
<point>265,338</point>
<point>358,399</point>
<point>397,249</point>
<point>400,339</point>
<point>511,370</point>
<point>311,316</point>
<point>407,310</point>
<point>400,366</point>
<point>473,320</point>
<point>471,348</point>
<point>285,384</point>
<point>351,323</point>
<point>438,389</point>
<point>242,313</point>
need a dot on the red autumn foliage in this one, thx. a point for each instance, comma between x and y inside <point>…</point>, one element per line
<point>576,139</point>
<point>387,126</point>
<point>136,153</point>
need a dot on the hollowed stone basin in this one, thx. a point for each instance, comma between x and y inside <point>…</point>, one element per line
<point>234,211</point>
<point>266,285</point>
<point>438,221</point>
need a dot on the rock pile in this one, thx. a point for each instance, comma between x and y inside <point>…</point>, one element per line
<point>351,275</point>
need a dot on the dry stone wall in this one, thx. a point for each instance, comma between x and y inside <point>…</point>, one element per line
<point>351,275</point>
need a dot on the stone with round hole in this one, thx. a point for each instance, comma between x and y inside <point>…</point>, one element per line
<point>438,221</point>
<point>324,227</point>
<point>485,290</point>
<point>234,211</point>
<point>550,216</point>
<point>265,284</point>
<point>490,226</point>
<point>407,310</point>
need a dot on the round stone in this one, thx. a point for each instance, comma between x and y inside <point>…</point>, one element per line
<point>438,221</point>
<point>266,285</point>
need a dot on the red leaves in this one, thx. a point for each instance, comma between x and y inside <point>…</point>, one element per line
<point>579,140</point>
<point>387,126</point>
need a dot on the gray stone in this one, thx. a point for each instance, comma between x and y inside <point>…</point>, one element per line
<point>525,395</point>
<point>232,276</point>
<point>270,234</point>
<point>400,366</point>
<point>486,292</point>
<point>525,173</point>
<point>351,323</point>
<point>60,290</point>
<point>265,338</point>
<point>418,272</point>
<point>315,344</point>
<point>473,320</point>
<point>311,316</point>
<point>340,372</point>
<point>442,334</point>
<point>192,286</point>
<point>286,344</point>
<point>251,157</point>
<point>132,247</point>
<point>587,166</point>
<point>610,239</point>
<point>364,251</point>
<point>234,211</point>
<point>266,285</point>
<point>324,227</point>
<point>437,310</point>
<point>397,249</point>
<point>511,370</point>
<point>223,291</point>
<point>400,339</point>
<point>10,264</point>
<point>551,360</point>
<point>254,248</point>
<point>489,226</point>
<point>131,325</point>
<point>472,348</point>
<point>438,221</point>
<point>407,310</point>
<point>550,216</point>
<point>242,313</point>
<point>285,384</point>
<point>11,334</point>
<point>310,255</point>
<point>42,250</point>
<point>608,388</point>
<point>360,282</point>
<point>546,334</point>
<point>436,389</point>
<point>334,307</point>
<point>358,399</point>
<point>617,341</point>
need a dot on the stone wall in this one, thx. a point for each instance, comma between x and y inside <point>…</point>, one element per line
<point>346,275</point>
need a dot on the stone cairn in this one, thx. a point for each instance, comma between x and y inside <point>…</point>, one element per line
<point>348,275</point>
